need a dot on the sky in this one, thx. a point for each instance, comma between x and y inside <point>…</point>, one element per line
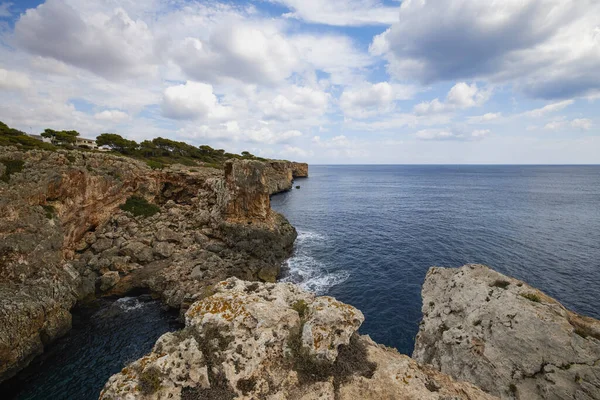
<point>321,81</point>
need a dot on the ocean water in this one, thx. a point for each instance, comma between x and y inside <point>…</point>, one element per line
<point>103,340</point>
<point>368,234</point>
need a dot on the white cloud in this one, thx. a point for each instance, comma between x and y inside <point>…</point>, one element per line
<point>549,48</point>
<point>460,97</point>
<point>240,51</point>
<point>13,80</point>
<point>266,136</point>
<point>111,115</point>
<point>582,123</point>
<point>296,103</point>
<point>487,117</point>
<point>449,134</point>
<point>367,100</point>
<point>111,45</point>
<point>192,100</point>
<point>550,108</point>
<point>554,125</point>
<point>341,12</point>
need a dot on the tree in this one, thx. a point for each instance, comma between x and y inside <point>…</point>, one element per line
<point>60,137</point>
<point>117,143</point>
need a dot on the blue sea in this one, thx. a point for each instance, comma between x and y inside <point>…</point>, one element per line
<point>368,234</point>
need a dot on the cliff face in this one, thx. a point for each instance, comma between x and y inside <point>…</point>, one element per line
<point>63,238</point>
<point>506,337</point>
<point>280,174</point>
<point>275,341</point>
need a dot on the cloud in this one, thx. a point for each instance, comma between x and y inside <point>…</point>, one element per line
<point>111,116</point>
<point>367,100</point>
<point>240,51</point>
<point>296,103</point>
<point>548,48</point>
<point>582,123</point>
<point>554,125</point>
<point>5,10</point>
<point>460,97</point>
<point>550,108</point>
<point>112,46</point>
<point>487,117</point>
<point>341,12</point>
<point>448,134</point>
<point>13,80</point>
<point>193,100</point>
<point>266,136</point>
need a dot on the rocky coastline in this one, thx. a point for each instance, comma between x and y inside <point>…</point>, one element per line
<point>209,245</point>
<point>64,238</point>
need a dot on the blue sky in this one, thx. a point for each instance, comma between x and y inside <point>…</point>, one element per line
<point>359,81</point>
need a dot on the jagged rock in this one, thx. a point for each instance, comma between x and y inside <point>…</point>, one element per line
<point>508,338</point>
<point>108,280</point>
<point>275,341</point>
<point>138,252</point>
<point>64,207</point>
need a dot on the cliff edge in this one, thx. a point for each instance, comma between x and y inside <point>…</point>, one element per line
<point>65,237</point>
<point>275,341</point>
<point>506,337</point>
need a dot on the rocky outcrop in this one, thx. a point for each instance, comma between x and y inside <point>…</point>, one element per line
<point>63,238</point>
<point>280,174</point>
<point>506,337</point>
<point>275,341</point>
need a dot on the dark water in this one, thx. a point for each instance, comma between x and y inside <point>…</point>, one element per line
<point>101,342</point>
<point>368,234</point>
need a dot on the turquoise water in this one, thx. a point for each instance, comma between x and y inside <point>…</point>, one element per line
<point>368,234</point>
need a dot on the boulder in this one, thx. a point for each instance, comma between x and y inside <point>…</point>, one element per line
<point>506,337</point>
<point>275,341</point>
<point>108,280</point>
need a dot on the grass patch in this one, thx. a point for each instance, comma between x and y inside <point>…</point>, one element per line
<point>49,210</point>
<point>500,283</point>
<point>532,297</point>
<point>12,167</point>
<point>155,164</point>
<point>301,308</point>
<point>140,206</point>
<point>149,380</point>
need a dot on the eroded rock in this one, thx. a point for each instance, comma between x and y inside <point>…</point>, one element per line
<point>274,341</point>
<point>507,337</point>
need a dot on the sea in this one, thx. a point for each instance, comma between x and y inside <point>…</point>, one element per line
<point>368,234</point>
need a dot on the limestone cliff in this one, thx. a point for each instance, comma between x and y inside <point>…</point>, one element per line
<point>63,237</point>
<point>280,174</point>
<point>506,337</point>
<point>275,341</point>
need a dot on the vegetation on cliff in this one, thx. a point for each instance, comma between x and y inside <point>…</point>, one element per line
<point>157,153</point>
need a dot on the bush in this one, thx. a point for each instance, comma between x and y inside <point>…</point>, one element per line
<point>532,297</point>
<point>140,206</point>
<point>12,166</point>
<point>155,164</point>
<point>149,381</point>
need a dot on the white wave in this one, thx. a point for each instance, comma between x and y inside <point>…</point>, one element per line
<point>129,304</point>
<point>308,272</point>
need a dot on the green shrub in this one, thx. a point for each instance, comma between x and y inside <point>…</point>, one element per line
<point>50,211</point>
<point>149,380</point>
<point>12,166</point>
<point>155,164</point>
<point>532,297</point>
<point>140,206</point>
<point>301,308</point>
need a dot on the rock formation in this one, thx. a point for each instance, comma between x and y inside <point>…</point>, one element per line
<point>63,237</point>
<point>280,174</point>
<point>275,341</point>
<point>506,337</point>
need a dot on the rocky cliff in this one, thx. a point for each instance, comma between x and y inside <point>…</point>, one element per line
<point>63,237</point>
<point>280,174</point>
<point>275,341</point>
<point>506,337</point>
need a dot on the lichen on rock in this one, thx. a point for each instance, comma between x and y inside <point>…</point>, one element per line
<point>254,340</point>
<point>506,337</point>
